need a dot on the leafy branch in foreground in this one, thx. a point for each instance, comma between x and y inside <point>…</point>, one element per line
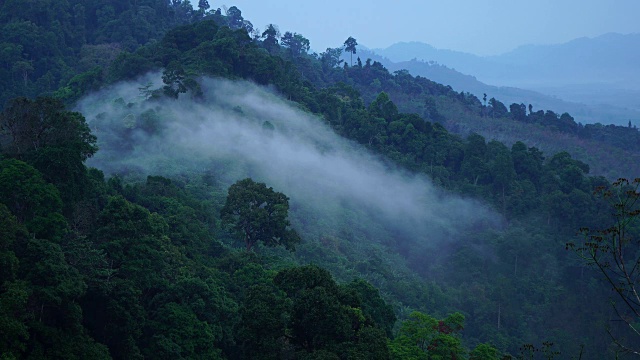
<point>614,251</point>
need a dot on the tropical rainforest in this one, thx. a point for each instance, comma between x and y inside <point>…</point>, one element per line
<point>177,184</point>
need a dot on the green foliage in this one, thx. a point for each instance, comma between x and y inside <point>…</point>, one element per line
<point>373,305</point>
<point>190,219</point>
<point>29,126</point>
<point>270,39</point>
<point>531,352</point>
<point>331,58</point>
<point>40,40</point>
<point>537,198</point>
<point>264,323</point>
<point>423,337</point>
<point>191,319</point>
<point>257,214</point>
<point>137,267</point>
<point>350,46</point>
<point>135,242</point>
<point>35,203</point>
<point>53,140</point>
<point>39,289</point>
<point>14,294</point>
<point>326,319</point>
<point>296,43</point>
<point>484,352</point>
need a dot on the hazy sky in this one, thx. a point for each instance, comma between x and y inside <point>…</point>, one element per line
<point>483,27</point>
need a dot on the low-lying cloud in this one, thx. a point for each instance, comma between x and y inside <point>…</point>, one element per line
<point>228,131</point>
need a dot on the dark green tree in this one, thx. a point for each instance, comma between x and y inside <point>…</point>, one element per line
<point>14,294</point>
<point>518,111</point>
<point>53,140</point>
<point>350,46</point>
<point>373,305</point>
<point>383,107</point>
<point>190,320</point>
<point>35,203</point>
<point>331,58</point>
<point>484,352</point>
<point>424,337</point>
<point>39,289</point>
<point>497,108</point>
<point>527,162</point>
<point>203,5</point>
<point>474,167</point>
<point>143,262</point>
<point>297,44</point>
<point>234,17</point>
<point>270,38</point>
<point>30,125</point>
<point>328,319</point>
<point>263,330</point>
<point>255,213</point>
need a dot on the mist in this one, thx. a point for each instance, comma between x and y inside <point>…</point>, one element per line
<point>239,130</point>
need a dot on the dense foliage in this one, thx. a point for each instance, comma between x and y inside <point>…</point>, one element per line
<point>256,213</point>
<point>100,268</point>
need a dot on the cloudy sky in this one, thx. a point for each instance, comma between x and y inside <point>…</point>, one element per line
<point>483,27</point>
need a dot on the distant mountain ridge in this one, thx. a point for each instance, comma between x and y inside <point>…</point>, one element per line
<point>610,58</point>
<point>598,78</point>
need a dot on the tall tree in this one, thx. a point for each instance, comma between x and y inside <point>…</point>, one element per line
<point>234,17</point>
<point>350,46</point>
<point>270,38</point>
<point>296,43</point>
<point>255,213</point>
<point>203,5</point>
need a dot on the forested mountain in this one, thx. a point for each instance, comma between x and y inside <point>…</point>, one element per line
<point>612,150</point>
<point>588,104</point>
<point>599,72</point>
<point>47,43</point>
<point>250,200</point>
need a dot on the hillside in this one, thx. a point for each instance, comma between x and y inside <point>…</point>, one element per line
<point>567,98</point>
<point>599,72</point>
<point>611,149</point>
<point>226,196</point>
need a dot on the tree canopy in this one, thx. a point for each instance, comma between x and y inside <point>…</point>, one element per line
<point>350,47</point>
<point>257,214</point>
<point>134,266</point>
